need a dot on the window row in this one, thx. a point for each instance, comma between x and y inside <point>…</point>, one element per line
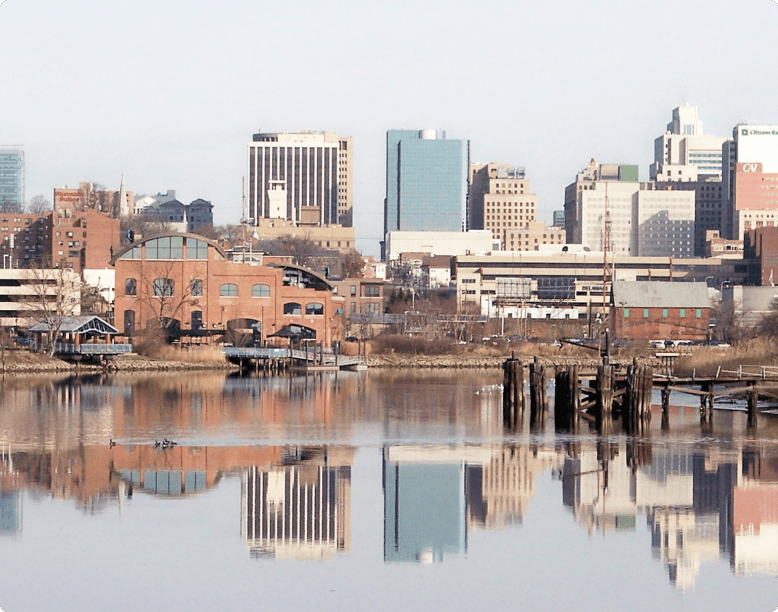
<point>666,313</point>
<point>165,287</point>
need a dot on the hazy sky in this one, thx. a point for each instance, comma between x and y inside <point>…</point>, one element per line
<point>170,91</point>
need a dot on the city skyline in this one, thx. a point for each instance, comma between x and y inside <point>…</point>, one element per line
<point>175,115</point>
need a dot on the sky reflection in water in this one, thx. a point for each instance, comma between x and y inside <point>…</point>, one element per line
<point>380,491</point>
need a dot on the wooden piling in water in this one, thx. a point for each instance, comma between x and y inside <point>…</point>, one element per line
<point>665,408</point>
<point>753,402</point>
<point>604,399</point>
<point>538,395</point>
<point>513,393</point>
<point>567,400</point>
<point>636,414</point>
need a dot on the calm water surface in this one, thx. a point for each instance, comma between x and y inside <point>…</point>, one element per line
<point>381,491</point>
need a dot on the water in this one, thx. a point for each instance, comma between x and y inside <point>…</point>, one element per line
<point>386,490</point>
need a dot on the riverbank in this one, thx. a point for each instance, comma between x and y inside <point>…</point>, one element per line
<point>26,362</point>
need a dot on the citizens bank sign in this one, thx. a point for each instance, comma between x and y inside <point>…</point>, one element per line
<point>748,132</point>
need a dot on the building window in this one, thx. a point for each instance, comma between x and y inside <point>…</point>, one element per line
<point>196,249</point>
<point>166,247</point>
<point>699,313</point>
<point>314,308</point>
<point>682,313</point>
<point>372,291</point>
<point>130,286</point>
<point>197,287</point>
<point>664,313</point>
<point>645,313</point>
<point>133,253</point>
<point>163,287</point>
<point>228,290</point>
<point>292,308</point>
<point>353,290</point>
<point>260,291</point>
<point>626,313</point>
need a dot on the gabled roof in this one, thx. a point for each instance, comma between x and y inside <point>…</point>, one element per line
<point>80,324</point>
<point>660,294</point>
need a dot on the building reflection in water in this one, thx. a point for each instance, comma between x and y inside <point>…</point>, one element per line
<point>299,508</point>
<point>434,494</point>
<point>701,503</point>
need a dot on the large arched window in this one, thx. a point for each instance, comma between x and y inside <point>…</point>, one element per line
<point>314,308</point>
<point>165,247</point>
<point>164,287</point>
<point>260,291</point>
<point>292,308</point>
<point>228,290</point>
<point>130,286</point>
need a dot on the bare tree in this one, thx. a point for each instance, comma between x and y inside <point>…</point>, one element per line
<point>301,249</point>
<point>353,265</point>
<point>38,205</point>
<point>54,295</point>
<point>166,301</point>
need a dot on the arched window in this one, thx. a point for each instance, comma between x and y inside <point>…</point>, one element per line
<point>260,291</point>
<point>165,247</point>
<point>228,290</point>
<point>197,287</point>
<point>314,308</point>
<point>130,286</point>
<point>163,287</point>
<point>292,308</point>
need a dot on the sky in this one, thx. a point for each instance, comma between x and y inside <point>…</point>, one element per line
<point>169,92</point>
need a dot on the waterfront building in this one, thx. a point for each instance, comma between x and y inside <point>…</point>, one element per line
<point>11,178</point>
<point>304,177</point>
<point>188,283</point>
<point>639,218</point>
<point>657,310</point>
<point>425,180</point>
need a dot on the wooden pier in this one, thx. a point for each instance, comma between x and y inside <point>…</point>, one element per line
<point>613,393</point>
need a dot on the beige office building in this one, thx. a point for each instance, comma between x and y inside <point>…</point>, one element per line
<point>500,200</point>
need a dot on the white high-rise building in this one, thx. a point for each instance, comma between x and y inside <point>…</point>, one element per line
<point>640,218</point>
<point>685,144</point>
<point>305,178</point>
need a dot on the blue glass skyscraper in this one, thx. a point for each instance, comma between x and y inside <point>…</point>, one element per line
<point>11,179</point>
<point>424,181</point>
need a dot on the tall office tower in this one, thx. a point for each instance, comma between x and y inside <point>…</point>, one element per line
<point>686,159</point>
<point>500,200</point>
<point>684,144</point>
<point>304,177</point>
<point>11,178</point>
<point>425,178</point>
<point>639,218</point>
<point>750,182</point>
